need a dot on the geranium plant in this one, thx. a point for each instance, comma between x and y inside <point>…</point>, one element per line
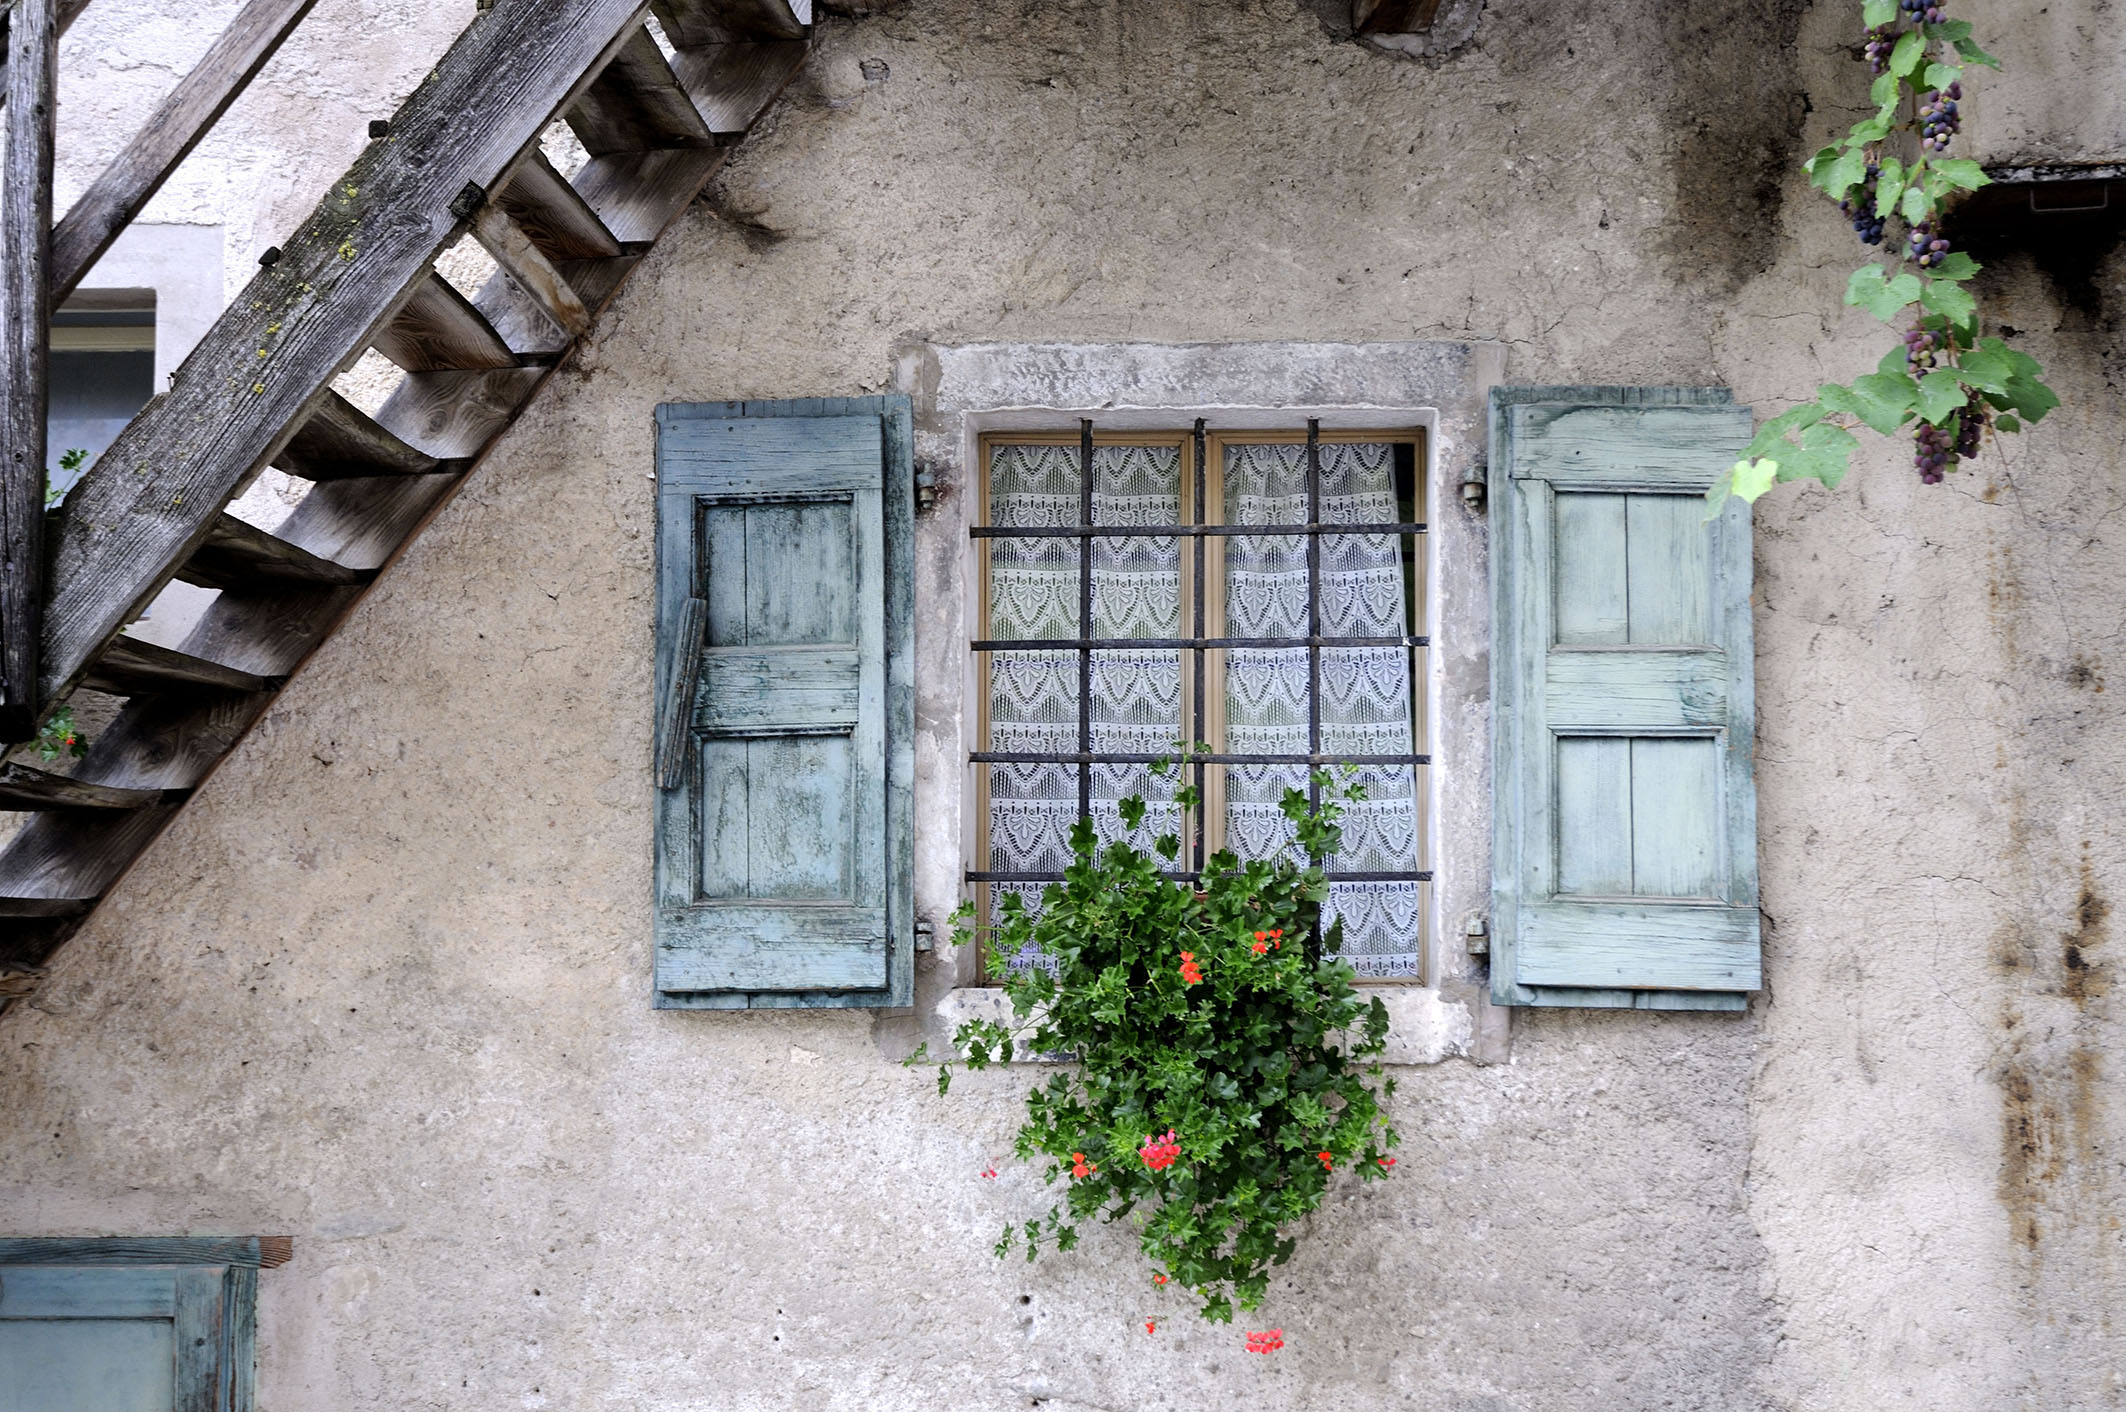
<point>1226,1070</point>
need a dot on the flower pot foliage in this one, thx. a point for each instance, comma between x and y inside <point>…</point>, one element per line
<point>1226,1069</point>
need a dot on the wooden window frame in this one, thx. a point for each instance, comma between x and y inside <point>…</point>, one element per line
<point>1201,457</point>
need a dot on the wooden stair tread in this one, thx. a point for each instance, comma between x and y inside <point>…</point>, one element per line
<point>692,23</point>
<point>540,199</point>
<point>637,194</point>
<point>637,102</point>
<point>733,83</point>
<point>133,667</point>
<point>27,787</point>
<point>338,441</point>
<point>46,907</point>
<point>438,330</point>
<point>237,554</point>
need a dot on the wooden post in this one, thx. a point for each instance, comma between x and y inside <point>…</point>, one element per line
<point>25,323</point>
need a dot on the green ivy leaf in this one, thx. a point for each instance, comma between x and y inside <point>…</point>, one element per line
<point>1950,300</point>
<point>1940,393</point>
<point>1884,298</point>
<point>1877,13</point>
<point>1911,46</point>
<point>1957,266</point>
<point>1971,52</point>
<point>1960,172</point>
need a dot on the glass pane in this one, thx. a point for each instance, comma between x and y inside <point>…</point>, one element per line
<point>1033,696</point>
<point>87,1365</point>
<point>1366,704</point>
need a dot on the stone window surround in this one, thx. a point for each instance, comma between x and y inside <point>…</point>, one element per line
<point>962,391</point>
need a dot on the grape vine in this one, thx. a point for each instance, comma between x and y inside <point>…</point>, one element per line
<point>1945,386</point>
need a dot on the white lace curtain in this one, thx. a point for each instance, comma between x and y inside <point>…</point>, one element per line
<point>1136,693</point>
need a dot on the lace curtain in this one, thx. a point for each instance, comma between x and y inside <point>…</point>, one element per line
<point>1136,694</point>
<point>1366,691</point>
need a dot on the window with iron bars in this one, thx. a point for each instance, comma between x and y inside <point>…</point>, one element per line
<point>1261,592</point>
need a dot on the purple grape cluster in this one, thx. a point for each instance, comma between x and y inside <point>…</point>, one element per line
<point>1934,452</point>
<point>1938,120</point>
<point>1926,247</point>
<point>1922,350</point>
<point>1861,208</point>
<point>1971,426</point>
<point>1924,12</point>
<point>1881,40</point>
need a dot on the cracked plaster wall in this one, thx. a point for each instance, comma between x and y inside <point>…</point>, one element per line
<point>383,985</point>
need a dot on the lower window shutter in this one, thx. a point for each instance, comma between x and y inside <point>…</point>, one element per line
<point>1625,826</point>
<point>785,758</point>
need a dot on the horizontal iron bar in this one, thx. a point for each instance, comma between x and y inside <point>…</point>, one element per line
<point>1183,531</point>
<point>1111,644</point>
<point>979,876</point>
<point>1060,757</point>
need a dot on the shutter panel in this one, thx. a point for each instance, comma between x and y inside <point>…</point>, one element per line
<point>1625,823</point>
<point>785,757</point>
<point>76,1338</point>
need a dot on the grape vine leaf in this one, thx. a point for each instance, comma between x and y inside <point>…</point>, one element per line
<point>1940,394</point>
<point>1987,367</point>
<point>1882,400</point>
<point>1952,301</point>
<point>1972,53</point>
<point>1773,433</point>
<point>1825,454</point>
<point>1959,171</point>
<point>1942,75</point>
<point>1915,203</point>
<point>1884,298</point>
<point>1905,57</point>
<point>1951,30</point>
<point>1958,266</point>
<point>1753,478</point>
<point>1877,13</point>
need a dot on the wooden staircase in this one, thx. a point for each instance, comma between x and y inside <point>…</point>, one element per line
<point>462,156</point>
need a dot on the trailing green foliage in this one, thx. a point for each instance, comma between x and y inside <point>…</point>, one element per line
<point>1944,382</point>
<point>1225,1063</point>
<point>59,737</point>
<point>69,460</point>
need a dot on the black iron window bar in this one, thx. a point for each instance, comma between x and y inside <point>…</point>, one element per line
<point>1085,644</point>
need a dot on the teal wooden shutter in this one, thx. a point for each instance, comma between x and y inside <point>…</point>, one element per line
<point>84,1338</point>
<point>1625,817</point>
<point>785,757</point>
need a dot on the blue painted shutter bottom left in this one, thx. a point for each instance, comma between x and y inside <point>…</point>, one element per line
<point>783,678</point>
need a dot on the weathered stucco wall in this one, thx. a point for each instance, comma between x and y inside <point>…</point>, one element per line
<point>384,984</point>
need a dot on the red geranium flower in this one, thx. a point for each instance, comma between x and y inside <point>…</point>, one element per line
<point>1151,1326</point>
<point>1079,1167</point>
<point>1259,947</point>
<point>1159,1153</point>
<point>1386,1163</point>
<point>1190,972</point>
<point>1158,1279</point>
<point>1328,1162</point>
<point>1265,1340</point>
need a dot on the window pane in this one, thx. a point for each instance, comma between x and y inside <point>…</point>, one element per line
<point>1033,696</point>
<point>1366,706</point>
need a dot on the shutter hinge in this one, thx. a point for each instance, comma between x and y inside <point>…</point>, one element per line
<point>1476,935</point>
<point>1476,483</point>
<point>925,937</point>
<point>926,487</point>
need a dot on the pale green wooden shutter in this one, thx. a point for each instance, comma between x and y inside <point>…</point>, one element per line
<point>1624,866</point>
<point>785,753</point>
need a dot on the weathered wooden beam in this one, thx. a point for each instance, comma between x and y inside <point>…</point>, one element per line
<point>25,324</point>
<point>690,23</point>
<point>1393,16</point>
<point>438,330</point>
<point>194,106</point>
<point>733,83</point>
<point>636,103</point>
<point>133,667</point>
<point>69,11</point>
<point>526,264</point>
<point>27,787</point>
<point>153,495</point>
<point>239,555</point>
<point>636,194</point>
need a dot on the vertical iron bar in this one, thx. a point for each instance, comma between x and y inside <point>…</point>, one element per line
<point>1085,619</point>
<point>1314,938</point>
<point>1196,724</point>
<point>25,322</point>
